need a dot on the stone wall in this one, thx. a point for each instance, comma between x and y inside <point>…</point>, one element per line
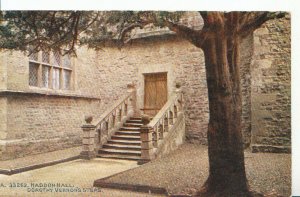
<point>271,87</point>
<point>3,71</point>
<point>245,74</point>
<point>3,117</point>
<point>40,124</point>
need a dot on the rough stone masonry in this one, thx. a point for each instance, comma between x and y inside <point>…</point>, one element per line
<point>271,87</point>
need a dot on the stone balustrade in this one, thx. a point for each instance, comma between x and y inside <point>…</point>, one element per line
<point>153,133</point>
<point>96,133</point>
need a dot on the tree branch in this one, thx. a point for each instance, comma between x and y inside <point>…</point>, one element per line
<point>232,23</point>
<point>204,16</point>
<point>244,17</point>
<point>129,28</point>
<point>251,25</point>
<point>196,37</point>
<point>75,34</point>
<point>92,22</point>
<point>75,16</point>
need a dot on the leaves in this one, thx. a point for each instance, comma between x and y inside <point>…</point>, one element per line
<point>57,30</point>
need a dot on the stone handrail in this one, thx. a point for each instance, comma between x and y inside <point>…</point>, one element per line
<point>121,104</point>
<point>96,133</point>
<point>153,134</point>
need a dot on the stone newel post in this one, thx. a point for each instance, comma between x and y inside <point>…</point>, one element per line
<point>178,90</point>
<point>147,143</point>
<point>132,102</point>
<point>88,140</point>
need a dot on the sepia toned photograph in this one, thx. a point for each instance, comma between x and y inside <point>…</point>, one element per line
<point>145,103</point>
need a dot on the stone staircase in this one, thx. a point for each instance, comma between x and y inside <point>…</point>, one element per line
<point>125,143</point>
<point>163,133</point>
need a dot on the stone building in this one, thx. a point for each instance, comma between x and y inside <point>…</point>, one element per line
<point>44,97</point>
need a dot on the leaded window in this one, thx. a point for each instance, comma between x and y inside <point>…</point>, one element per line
<point>46,76</point>
<point>33,74</point>
<point>50,70</point>
<point>67,77</point>
<point>34,56</point>
<point>46,57</point>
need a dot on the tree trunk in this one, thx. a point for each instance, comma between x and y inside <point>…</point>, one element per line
<point>227,175</point>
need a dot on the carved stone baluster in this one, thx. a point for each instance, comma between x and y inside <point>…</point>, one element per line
<point>124,112</point>
<point>99,136</point>
<point>175,111</point>
<point>155,137</point>
<point>161,132</point>
<point>159,139</point>
<point>166,123</point>
<point>106,127</point>
<point>97,143</point>
<point>104,132</point>
<point>113,121</point>
<point>120,114</point>
<point>171,118</point>
<point>125,109</point>
<point>163,123</point>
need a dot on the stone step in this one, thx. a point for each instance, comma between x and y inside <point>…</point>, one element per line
<point>124,142</point>
<point>130,129</point>
<point>122,147</point>
<point>127,133</point>
<point>130,138</point>
<point>121,152</point>
<point>136,118</point>
<point>133,125</point>
<point>134,121</point>
<point>117,156</point>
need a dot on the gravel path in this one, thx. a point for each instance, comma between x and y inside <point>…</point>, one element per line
<point>185,170</point>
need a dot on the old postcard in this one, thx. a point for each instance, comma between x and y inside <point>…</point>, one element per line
<point>145,102</point>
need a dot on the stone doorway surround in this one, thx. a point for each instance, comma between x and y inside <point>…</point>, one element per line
<point>152,69</point>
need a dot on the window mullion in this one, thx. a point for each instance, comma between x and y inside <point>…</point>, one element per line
<point>40,73</point>
<point>51,71</point>
<point>61,80</point>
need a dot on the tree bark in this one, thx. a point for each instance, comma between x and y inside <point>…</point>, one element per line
<point>227,175</point>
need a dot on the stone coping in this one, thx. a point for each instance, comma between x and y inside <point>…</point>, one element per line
<point>111,108</point>
<point>36,166</point>
<point>18,165</point>
<point>129,187</point>
<point>46,93</point>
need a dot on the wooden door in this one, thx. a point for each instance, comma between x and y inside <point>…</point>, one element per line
<point>156,93</point>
